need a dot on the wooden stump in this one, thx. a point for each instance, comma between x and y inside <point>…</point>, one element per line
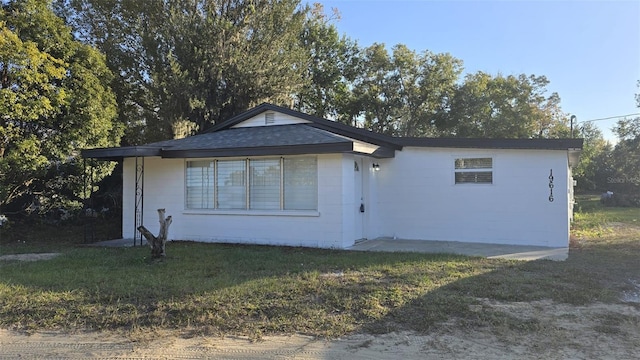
<point>157,243</point>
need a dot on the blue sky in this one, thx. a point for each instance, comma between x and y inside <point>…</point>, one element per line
<point>588,50</point>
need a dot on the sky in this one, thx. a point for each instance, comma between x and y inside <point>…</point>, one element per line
<point>588,50</point>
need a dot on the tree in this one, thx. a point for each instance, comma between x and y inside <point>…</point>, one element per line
<point>54,101</point>
<point>401,93</point>
<point>332,63</point>
<point>626,155</point>
<point>426,81</point>
<point>591,172</point>
<point>616,168</point>
<point>192,63</point>
<point>503,107</point>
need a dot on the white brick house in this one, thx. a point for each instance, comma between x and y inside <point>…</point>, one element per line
<point>276,176</point>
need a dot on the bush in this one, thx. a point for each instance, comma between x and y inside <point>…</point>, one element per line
<point>620,199</point>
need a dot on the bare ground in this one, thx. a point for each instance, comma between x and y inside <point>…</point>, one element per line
<point>29,257</point>
<point>553,331</point>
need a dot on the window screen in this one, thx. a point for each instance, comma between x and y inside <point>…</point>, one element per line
<point>301,183</point>
<point>199,184</point>
<point>265,184</point>
<point>474,171</point>
<point>231,186</point>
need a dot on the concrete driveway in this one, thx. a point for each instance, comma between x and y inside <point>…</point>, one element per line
<point>491,251</point>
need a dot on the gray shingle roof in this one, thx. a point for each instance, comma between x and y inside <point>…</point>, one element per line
<point>254,137</point>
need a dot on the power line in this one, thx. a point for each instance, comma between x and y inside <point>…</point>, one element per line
<point>609,118</point>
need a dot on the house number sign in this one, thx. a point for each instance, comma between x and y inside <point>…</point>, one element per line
<point>551,185</point>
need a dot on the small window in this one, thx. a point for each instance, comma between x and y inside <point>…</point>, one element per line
<point>474,171</point>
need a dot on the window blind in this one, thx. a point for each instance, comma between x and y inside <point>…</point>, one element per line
<point>474,171</point>
<point>261,184</point>
<point>231,187</point>
<point>199,184</point>
<point>300,183</point>
<point>265,184</point>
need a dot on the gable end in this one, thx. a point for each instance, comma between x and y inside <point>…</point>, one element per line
<point>269,118</point>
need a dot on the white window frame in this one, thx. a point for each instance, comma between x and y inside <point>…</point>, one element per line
<point>474,170</point>
<point>247,210</point>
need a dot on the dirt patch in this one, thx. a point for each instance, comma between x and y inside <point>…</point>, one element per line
<point>617,226</point>
<point>29,257</point>
<point>539,329</point>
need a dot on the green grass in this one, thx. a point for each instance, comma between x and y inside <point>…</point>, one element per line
<point>257,290</point>
<point>592,219</point>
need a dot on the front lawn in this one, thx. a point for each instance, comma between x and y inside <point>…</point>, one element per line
<point>256,290</point>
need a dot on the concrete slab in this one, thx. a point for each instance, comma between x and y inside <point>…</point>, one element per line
<point>491,251</point>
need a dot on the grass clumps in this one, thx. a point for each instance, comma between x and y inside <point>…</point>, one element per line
<point>256,290</point>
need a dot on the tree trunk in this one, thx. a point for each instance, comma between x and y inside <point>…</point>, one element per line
<point>157,243</point>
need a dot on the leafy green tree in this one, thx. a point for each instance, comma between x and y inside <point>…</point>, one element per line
<point>332,63</point>
<point>191,63</point>
<point>504,107</point>
<point>374,91</point>
<point>604,167</point>
<point>54,101</point>
<point>591,173</point>
<point>402,93</point>
<point>626,155</point>
<point>426,81</point>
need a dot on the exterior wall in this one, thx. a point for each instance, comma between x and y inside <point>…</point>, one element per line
<point>279,119</point>
<point>165,188</point>
<point>412,196</point>
<point>418,199</point>
<point>572,200</point>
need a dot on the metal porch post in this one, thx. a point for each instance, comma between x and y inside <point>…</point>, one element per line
<point>87,209</point>
<point>139,200</point>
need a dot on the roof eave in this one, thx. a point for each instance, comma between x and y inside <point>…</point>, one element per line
<point>118,153</point>
<point>326,148</point>
<point>534,144</point>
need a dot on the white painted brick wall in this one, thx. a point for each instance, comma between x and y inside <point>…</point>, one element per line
<point>413,196</point>
<point>419,200</point>
<point>164,188</point>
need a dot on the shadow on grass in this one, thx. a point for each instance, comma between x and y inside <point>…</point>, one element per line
<point>254,290</point>
<point>597,273</point>
<point>32,235</point>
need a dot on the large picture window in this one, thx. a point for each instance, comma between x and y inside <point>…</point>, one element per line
<point>253,184</point>
<point>474,171</point>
